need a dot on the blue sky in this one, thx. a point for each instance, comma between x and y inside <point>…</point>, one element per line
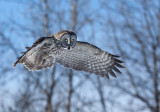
<point>20,12</point>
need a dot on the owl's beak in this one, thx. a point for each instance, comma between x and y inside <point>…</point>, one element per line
<point>69,45</point>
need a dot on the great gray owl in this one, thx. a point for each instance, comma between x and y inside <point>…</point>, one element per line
<point>63,48</point>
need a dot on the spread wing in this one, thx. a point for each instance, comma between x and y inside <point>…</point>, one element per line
<point>41,54</point>
<point>89,58</point>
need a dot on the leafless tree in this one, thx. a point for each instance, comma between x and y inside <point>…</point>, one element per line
<point>129,28</point>
<point>137,39</point>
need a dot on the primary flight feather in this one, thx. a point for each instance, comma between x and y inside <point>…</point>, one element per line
<point>63,48</point>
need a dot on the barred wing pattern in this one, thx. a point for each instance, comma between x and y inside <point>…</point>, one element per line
<point>89,58</point>
<point>45,52</point>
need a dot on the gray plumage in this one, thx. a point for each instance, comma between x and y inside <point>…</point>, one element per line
<point>81,56</point>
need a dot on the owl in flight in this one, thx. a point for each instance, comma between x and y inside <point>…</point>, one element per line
<point>63,48</point>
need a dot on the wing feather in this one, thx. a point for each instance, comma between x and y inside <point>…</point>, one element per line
<point>40,55</point>
<point>89,58</point>
<point>45,52</point>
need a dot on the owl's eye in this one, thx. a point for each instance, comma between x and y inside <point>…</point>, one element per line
<point>66,40</point>
<point>72,40</point>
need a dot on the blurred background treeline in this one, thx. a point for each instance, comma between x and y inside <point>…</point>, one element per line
<point>129,28</point>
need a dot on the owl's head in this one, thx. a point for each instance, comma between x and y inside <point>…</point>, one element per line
<point>68,40</point>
